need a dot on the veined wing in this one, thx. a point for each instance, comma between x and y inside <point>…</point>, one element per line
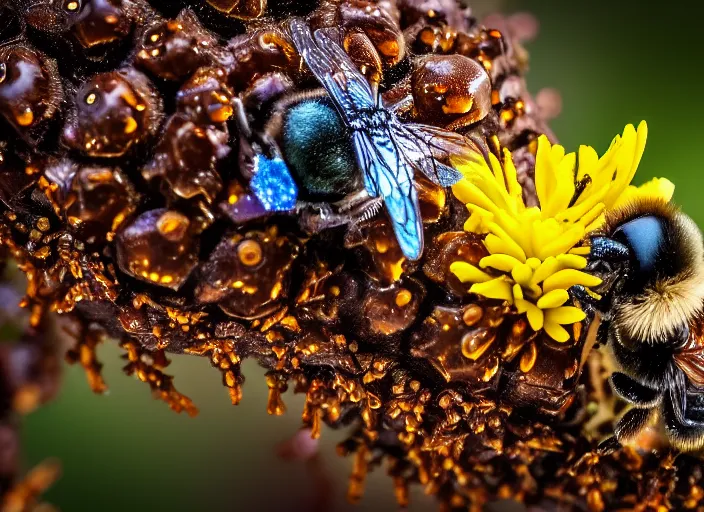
<point>421,158</point>
<point>440,144</point>
<point>388,174</point>
<point>347,87</point>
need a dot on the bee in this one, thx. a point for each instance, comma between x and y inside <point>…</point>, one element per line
<point>651,258</point>
<point>387,151</point>
<point>328,137</point>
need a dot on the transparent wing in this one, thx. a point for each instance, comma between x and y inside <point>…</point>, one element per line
<point>420,153</point>
<point>388,175</point>
<point>441,144</point>
<point>347,87</point>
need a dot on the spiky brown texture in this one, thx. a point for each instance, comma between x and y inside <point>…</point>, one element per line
<point>125,199</point>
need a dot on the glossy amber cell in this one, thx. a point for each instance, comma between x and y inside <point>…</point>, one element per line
<point>186,158</point>
<point>112,112</point>
<point>248,275</point>
<point>452,89</point>
<point>174,49</point>
<point>30,89</point>
<point>157,247</point>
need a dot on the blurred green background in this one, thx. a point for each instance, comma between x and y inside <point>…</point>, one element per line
<point>614,62</point>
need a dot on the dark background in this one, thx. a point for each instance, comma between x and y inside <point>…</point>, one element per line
<point>614,62</point>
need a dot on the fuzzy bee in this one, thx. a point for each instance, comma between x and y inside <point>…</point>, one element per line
<point>651,258</point>
<point>387,151</point>
<point>359,133</point>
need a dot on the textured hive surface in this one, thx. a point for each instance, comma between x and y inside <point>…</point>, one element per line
<point>124,188</point>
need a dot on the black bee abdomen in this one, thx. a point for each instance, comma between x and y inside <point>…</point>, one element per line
<point>318,150</point>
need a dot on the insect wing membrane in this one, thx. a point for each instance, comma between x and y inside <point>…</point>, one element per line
<point>443,143</point>
<point>387,174</point>
<point>346,86</point>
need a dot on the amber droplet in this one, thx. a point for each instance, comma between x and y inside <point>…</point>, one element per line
<point>451,89</point>
<point>260,53</point>
<point>158,248</point>
<point>186,159</point>
<point>382,258</point>
<point>30,90</point>
<point>101,22</point>
<point>472,315</point>
<point>447,248</point>
<point>241,287</point>
<point>378,25</point>
<point>112,112</point>
<point>206,97</point>
<point>174,49</point>
<point>250,253</point>
<point>98,199</point>
<point>475,343</point>
<point>392,309</point>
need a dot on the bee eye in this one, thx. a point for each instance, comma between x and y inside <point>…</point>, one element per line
<point>646,237</point>
<point>3,72</point>
<point>318,150</point>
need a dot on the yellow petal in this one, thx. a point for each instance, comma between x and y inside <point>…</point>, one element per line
<point>556,332</point>
<point>581,251</point>
<point>572,260</point>
<point>474,223</point>
<point>522,274</point>
<point>533,313</point>
<point>497,245</point>
<point>497,288</point>
<point>514,188</point>
<point>468,273</point>
<point>502,262</point>
<point>546,269</point>
<point>553,299</point>
<point>567,278</point>
<point>563,243</point>
<point>588,160</point>
<point>517,293</point>
<point>565,315</point>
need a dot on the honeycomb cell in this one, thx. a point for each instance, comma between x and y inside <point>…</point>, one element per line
<point>112,112</point>
<point>248,275</point>
<point>157,247</point>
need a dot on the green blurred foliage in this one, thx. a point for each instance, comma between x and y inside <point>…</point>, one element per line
<point>614,62</point>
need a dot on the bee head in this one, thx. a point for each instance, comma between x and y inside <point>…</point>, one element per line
<point>652,259</point>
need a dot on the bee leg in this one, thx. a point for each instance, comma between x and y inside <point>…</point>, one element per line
<point>588,303</point>
<point>608,445</point>
<point>633,392</point>
<point>684,433</point>
<point>240,118</point>
<point>316,217</point>
<point>632,423</point>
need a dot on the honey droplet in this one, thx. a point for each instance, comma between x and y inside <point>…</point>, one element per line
<point>475,343</point>
<point>250,253</point>
<point>173,225</point>
<point>528,358</point>
<point>403,297</point>
<point>130,125</point>
<point>25,118</point>
<point>472,315</point>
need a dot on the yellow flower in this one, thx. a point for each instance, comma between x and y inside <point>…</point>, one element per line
<point>533,255</point>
